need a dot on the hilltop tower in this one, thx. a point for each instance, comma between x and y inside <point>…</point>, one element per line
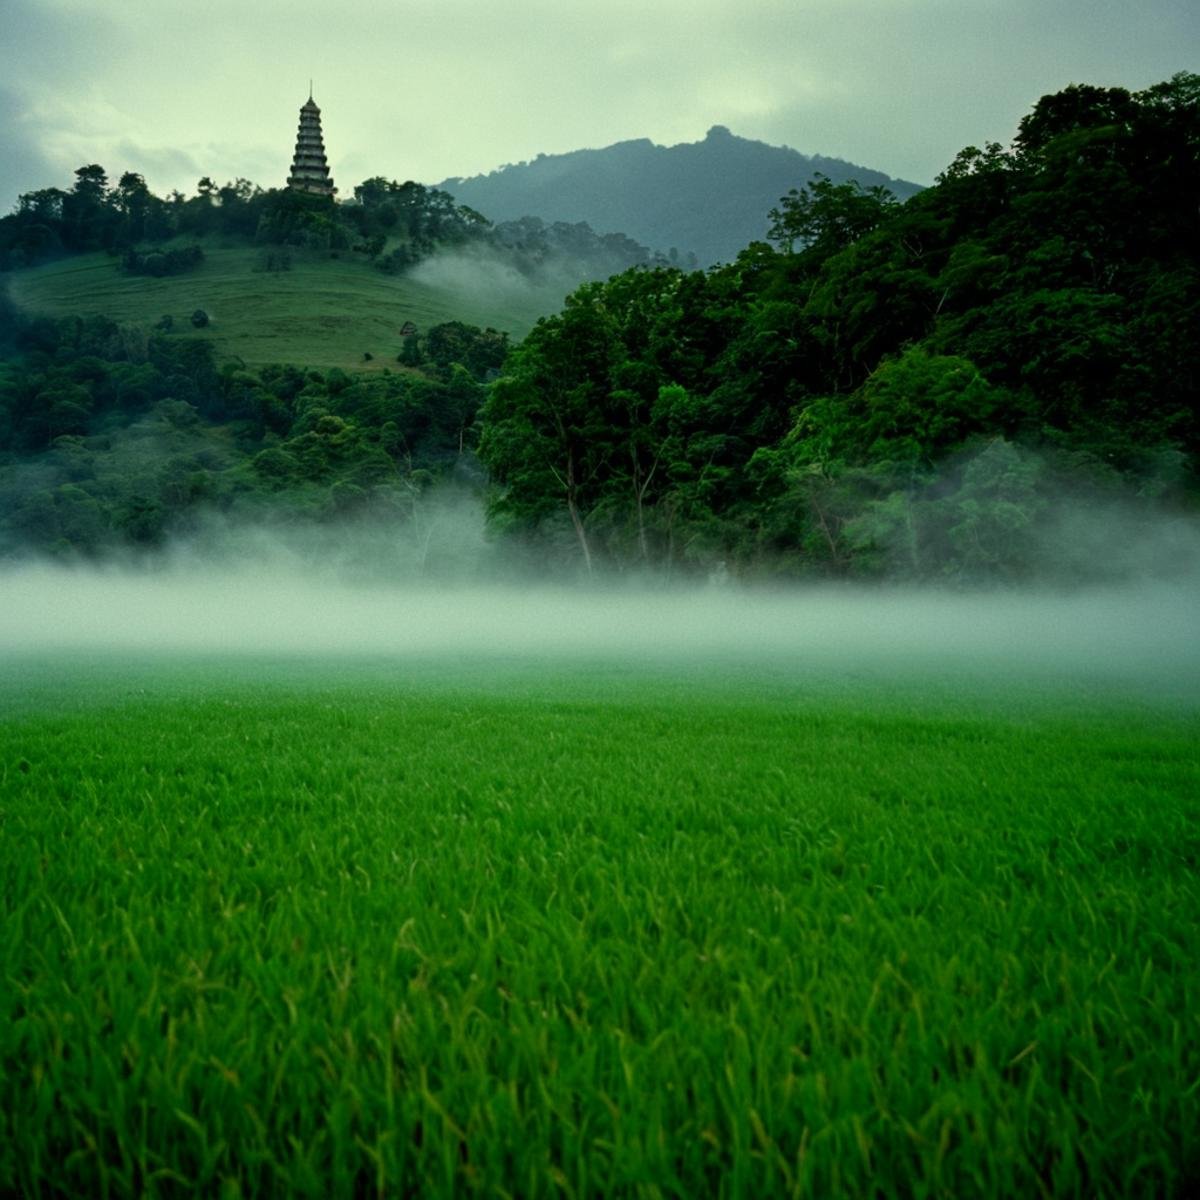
<point>310,171</point>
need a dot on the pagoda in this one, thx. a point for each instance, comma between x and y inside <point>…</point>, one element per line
<point>310,171</point>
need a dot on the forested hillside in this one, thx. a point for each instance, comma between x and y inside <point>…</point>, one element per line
<point>708,199</point>
<point>115,439</point>
<point>923,389</point>
<point>997,379</point>
<point>389,224</point>
<point>284,277</point>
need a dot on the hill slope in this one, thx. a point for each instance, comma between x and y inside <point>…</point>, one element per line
<point>710,198</point>
<point>322,313</point>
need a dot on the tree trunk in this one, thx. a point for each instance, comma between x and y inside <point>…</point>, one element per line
<point>573,509</point>
<point>580,533</point>
<point>640,487</point>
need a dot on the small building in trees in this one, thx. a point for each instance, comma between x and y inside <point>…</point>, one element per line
<point>310,171</point>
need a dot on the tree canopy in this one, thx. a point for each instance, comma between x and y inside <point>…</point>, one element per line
<point>903,387</point>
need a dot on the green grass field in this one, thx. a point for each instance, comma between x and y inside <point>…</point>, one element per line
<point>322,313</point>
<point>272,928</point>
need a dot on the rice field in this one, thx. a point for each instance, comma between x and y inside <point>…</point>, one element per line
<point>397,929</point>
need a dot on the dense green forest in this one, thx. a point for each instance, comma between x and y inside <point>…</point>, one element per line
<point>115,438</point>
<point>922,389</point>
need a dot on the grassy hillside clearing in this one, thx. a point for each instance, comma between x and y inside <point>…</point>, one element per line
<point>322,313</point>
<point>367,932</point>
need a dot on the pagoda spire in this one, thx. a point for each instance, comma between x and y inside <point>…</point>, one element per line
<point>310,171</point>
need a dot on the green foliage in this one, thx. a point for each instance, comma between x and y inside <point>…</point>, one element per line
<point>423,217</point>
<point>977,522</point>
<point>480,351</point>
<point>813,409</point>
<point>577,426</point>
<point>298,219</point>
<point>410,351</point>
<point>825,217</point>
<point>915,408</point>
<point>110,438</point>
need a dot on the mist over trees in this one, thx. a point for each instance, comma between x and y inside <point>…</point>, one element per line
<point>116,439</point>
<point>927,389</point>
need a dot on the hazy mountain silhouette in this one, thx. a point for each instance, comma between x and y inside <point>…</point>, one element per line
<point>710,198</point>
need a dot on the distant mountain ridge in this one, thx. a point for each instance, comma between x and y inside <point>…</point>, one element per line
<point>710,198</point>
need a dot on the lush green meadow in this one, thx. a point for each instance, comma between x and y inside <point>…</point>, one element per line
<point>321,313</point>
<point>398,929</point>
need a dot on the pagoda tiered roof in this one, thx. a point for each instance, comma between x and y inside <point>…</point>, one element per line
<point>310,170</point>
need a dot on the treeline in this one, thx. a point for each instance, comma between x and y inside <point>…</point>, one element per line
<point>937,388</point>
<point>922,389</point>
<point>113,438</point>
<point>394,225</point>
<point>97,215</point>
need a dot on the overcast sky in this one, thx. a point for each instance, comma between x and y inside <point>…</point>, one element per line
<point>423,89</point>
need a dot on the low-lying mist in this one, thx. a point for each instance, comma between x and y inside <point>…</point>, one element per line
<point>431,585</point>
<point>487,279</point>
<point>268,602</point>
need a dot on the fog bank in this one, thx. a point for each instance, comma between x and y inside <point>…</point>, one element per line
<point>1147,635</point>
<point>486,280</point>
